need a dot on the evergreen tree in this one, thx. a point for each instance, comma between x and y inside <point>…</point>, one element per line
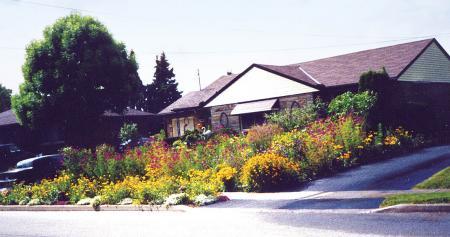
<point>5,98</point>
<point>163,91</point>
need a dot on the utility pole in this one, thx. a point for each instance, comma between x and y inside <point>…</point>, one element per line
<point>199,82</point>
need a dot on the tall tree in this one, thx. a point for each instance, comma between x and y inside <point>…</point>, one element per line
<point>163,91</point>
<point>74,74</point>
<point>5,98</point>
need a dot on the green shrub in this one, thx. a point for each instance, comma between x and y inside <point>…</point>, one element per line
<point>269,172</point>
<point>260,136</point>
<point>297,118</point>
<point>128,131</point>
<point>359,104</point>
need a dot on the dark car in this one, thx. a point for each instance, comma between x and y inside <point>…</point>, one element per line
<point>33,169</point>
<point>10,154</point>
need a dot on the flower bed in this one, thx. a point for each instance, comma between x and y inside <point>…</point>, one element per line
<point>265,159</point>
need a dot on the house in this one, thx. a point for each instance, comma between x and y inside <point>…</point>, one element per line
<point>53,138</point>
<point>421,67</point>
<point>188,112</point>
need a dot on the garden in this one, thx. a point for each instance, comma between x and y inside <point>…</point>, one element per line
<point>292,148</point>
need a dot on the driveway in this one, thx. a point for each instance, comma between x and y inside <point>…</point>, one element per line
<point>360,188</point>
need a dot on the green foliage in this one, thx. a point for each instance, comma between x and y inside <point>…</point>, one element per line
<point>359,104</point>
<point>440,180</point>
<point>297,118</point>
<point>105,162</point>
<point>163,91</point>
<point>192,137</point>
<point>128,131</point>
<point>269,172</point>
<point>375,81</point>
<point>5,98</point>
<point>384,109</point>
<point>73,75</point>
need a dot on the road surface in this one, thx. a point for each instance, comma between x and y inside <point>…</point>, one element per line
<point>334,206</point>
<point>363,187</point>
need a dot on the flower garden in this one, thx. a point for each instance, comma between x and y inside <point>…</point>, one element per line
<point>274,156</point>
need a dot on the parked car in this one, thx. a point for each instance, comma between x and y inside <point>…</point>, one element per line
<point>10,154</point>
<point>33,169</point>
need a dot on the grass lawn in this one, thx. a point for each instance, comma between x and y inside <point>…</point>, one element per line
<point>416,198</point>
<point>440,180</point>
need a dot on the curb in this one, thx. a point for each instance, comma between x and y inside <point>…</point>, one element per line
<point>406,208</point>
<point>151,208</point>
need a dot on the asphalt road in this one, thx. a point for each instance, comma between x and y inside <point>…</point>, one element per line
<point>223,222</point>
<point>334,206</point>
<point>360,188</point>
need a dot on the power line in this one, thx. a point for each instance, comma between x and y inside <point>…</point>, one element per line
<point>55,6</point>
<point>273,50</point>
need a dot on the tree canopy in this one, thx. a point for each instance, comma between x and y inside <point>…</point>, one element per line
<point>5,98</point>
<point>163,91</point>
<point>74,74</point>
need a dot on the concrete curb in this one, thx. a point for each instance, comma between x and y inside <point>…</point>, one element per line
<point>406,208</point>
<point>151,208</point>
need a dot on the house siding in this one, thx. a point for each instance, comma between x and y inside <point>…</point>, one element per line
<point>258,84</point>
<point>303,99</point>
<point>432,66</point>
<point>234,121</point>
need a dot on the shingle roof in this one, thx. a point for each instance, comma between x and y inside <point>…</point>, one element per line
<point>346,69</point>
<point>197,98</point>
<point>127,112</point>
<point>8,118</point>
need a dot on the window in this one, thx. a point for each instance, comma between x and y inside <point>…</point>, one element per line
<point>224,120</point>
<point>177,126</point>
<point>295,105</point>
<point>248,120</point>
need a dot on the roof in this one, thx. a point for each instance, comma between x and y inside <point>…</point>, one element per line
<point>8,118</point>
<point>347,69</point>
<point>128,112</point>
<point>196,99</point>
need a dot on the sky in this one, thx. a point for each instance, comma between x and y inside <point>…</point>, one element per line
<point>215,37</point>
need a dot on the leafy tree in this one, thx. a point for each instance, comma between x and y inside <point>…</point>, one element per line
<point>5,98</point>
<point>163,91</point>
<point>74,74</point>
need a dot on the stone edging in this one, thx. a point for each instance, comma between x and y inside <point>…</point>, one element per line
<point>405,208</point>
<point>177,208</point>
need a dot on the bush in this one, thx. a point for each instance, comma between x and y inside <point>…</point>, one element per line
<point>359,104</point>
<point>129,131</point>
<point>269,172</point>
<point>260,136</point>
<point>227,175</point>
<point>297,118</point>
<point>201,182</point>
<point>287,144</point>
